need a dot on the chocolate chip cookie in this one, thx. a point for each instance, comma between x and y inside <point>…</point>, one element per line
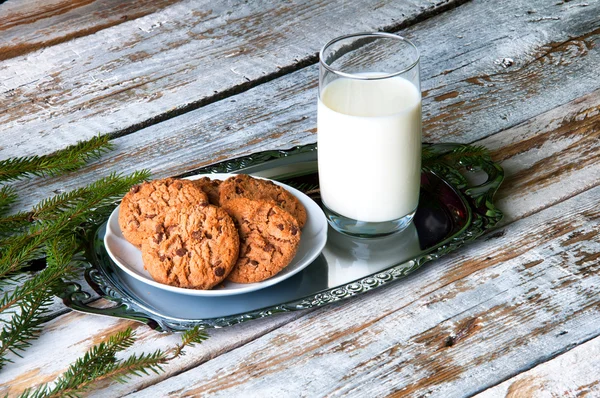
<point>194,247</point>
<point>245,186</point>
<point>210,188</point>
<point>269,238</point>
<point>146,203</point>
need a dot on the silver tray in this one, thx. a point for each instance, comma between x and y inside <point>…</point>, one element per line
<point>456,206</point>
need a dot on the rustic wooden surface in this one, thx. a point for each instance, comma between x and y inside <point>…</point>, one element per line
<point>573,374</point>
<point>183,84</point>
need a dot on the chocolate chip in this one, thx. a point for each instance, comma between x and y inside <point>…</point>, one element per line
<point>135,188</point>
<point>269,247</point>
<point>197,235</point>
<point>294,230</point>
<point>159,228</point>
<point>181,252</point>
<point>239,190</point>
<point>208,236</point>
<point>162,257</point>
<point>280,226</point>
<point>254,262</point>
<point>219,271</point>
<point>159,238</point>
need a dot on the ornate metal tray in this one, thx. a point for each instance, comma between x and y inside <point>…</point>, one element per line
<point>456,205</point>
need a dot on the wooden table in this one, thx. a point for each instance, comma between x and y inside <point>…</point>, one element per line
<point>182,84</point>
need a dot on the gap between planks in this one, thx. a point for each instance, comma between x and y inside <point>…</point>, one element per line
<point>415,13</point>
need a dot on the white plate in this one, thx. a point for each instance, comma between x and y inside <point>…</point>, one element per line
<point>314,236</point>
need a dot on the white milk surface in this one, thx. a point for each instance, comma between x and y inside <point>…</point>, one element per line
<point>369,148</point>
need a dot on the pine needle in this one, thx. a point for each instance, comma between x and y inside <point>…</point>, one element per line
<point>100,363</point>
<point>24,326</point>
<point>60,263</point>
<point>71,158</point>
<point>59,216</point>
<point>8,196</point>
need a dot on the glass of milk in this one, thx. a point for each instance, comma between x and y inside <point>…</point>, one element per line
<point>369,133</point>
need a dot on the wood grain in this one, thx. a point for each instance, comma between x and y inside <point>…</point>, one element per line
<point>572,374</point>
<point>75,333</point>
<point>177,58</point>
<point>282,112</point>
<point>29,26</point>
<point>462,324</point>
<point>451,280</point>
<point>457,326</point>
<point>464,77</point>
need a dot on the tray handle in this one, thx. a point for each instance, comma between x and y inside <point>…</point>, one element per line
<point>455,160</point>
<point>77,299</point>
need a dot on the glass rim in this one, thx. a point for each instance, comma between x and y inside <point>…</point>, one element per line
<point>368,34</point>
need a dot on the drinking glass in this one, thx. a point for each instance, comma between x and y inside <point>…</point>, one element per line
<point>369,133</point>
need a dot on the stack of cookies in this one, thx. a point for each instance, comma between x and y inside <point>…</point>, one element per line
<point>196,234</point>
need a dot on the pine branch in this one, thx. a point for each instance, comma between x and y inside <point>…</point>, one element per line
<point>100,363</point>
<point>68,159</point>
<point>25,325</point>
<point>8,196</point>
<point>189,338</point>
<point>34,296</point>
<point>18,250</point>
<point>60,263</point>
<point>95,363</point>
<point>62,215</point>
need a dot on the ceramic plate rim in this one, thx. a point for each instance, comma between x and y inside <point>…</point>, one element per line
<point>315,220</point>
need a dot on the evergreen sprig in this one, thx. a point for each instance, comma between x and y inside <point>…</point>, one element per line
<point>101,363</point>
<point>54,231</point>
<point>24,325</point>
<point>58,216</point>
<point>71,158</point>
<point>8,196</point>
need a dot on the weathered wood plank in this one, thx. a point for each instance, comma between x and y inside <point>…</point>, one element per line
<point>461,78</point>
<point>282,113</point>
<point>28,26</point>
<point>172,60</point>
<point>572,374</point>
<point>551,130</point>
<point>548,158</point>
<point>76,333</point>
<point>452,329</point>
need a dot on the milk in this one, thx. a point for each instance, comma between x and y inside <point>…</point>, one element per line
<point>369,148</point>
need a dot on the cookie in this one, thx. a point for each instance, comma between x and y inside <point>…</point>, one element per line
<point>145,204</point>
<point>210,188</point>
<point>194,247</point>
<point>269,239</point>
<point>245,186</point>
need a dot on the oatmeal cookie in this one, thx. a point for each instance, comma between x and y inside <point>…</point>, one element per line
<point>245,186</point>
<point>146,203</point>
<point>194,247</point>
<point>269,238</point>
<point>210,188</point>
